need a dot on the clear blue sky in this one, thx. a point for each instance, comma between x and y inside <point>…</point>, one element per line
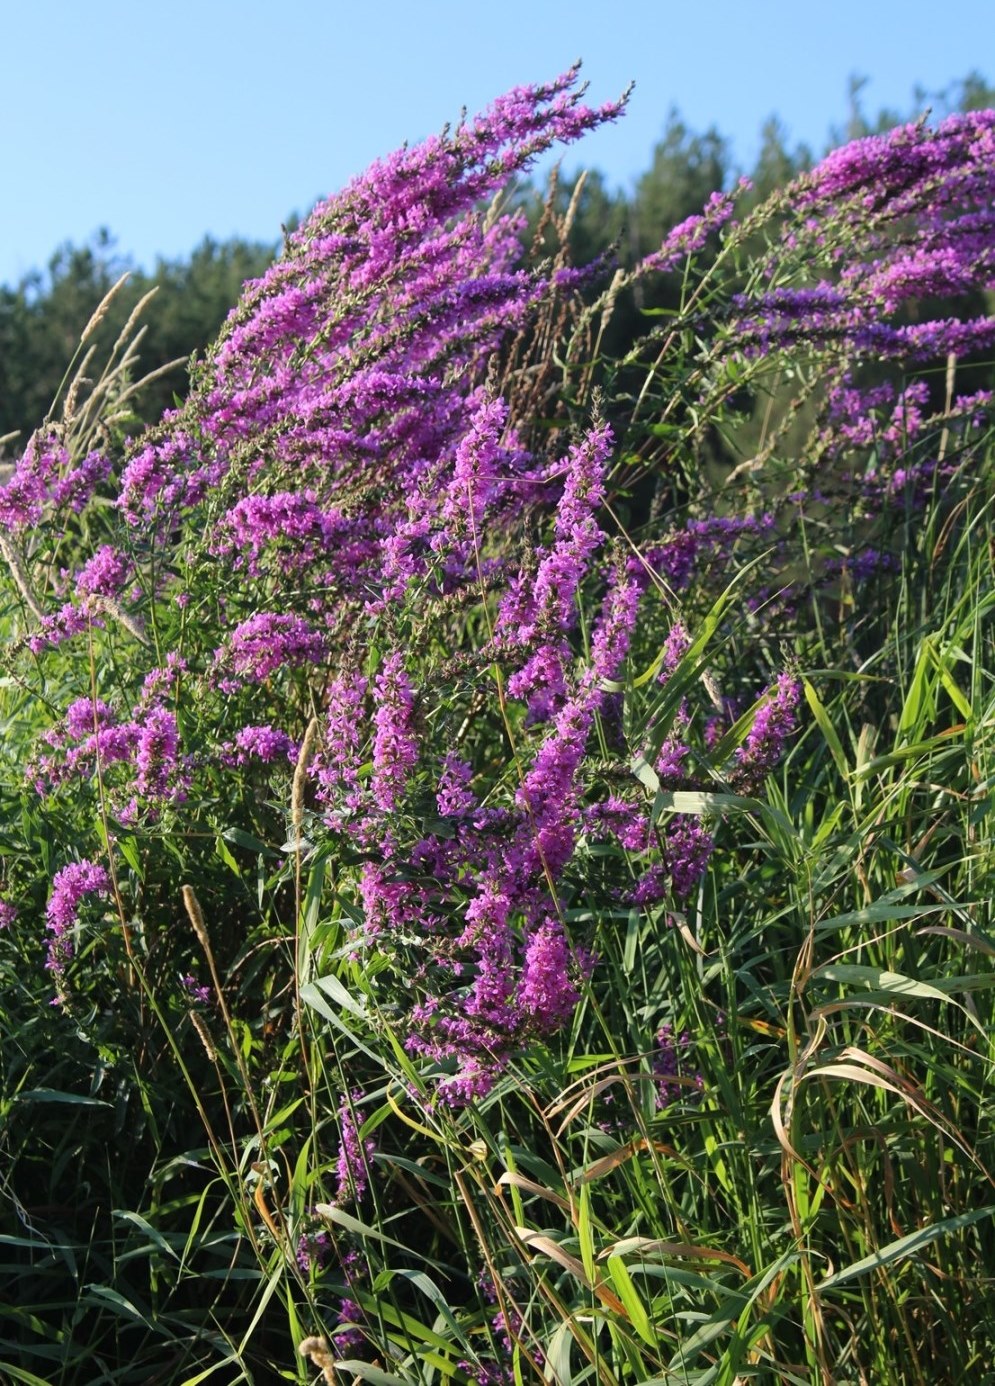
<point>166,121</point>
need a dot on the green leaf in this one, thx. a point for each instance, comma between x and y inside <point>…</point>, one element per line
<point>129,850</point>
<point>883,911</point>
<point>587,1254</point>
<point>646,775</point>
<point>333,988</point>
<point>431,1291</point>
<point>246,840</point>
<point>828,730</point>
<point>8,1372</point>
<point>108,1296</point>
<point>365,1371</point>
<point>153,1234</point>
<point>879,979</point>
<point>701,802</point>
<point>905,1246</point>
<point>221,847</point>
<point>72,1099</point>
<point>362,1229</point>
<point>629,1296</point>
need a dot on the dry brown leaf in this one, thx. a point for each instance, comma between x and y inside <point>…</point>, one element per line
<point>519,1181</point>
<point>619,1157</point>
<point>684,1250</point>
<point>547,1247</point>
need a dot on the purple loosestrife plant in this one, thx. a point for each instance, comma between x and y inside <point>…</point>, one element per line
<point>774,722</point>
<point>349,521</point>
<point>922,198</point>
<point>860,252</point>
<point>339,448</point>
<point>355,629</point>
<point>338,523</point>
<point>668,1061</point>
<point>70,886</point>
<point>355,1155</point>
<point>395,747</point>
<point>548,993</point>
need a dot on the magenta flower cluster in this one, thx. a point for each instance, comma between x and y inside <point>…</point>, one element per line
<point>138,759</point>
<point>70,886</point>
<point>47,480</point>
<point>774,722</point>
<point>915,205</point>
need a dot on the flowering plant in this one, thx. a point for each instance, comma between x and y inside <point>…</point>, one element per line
<point>385,742</point>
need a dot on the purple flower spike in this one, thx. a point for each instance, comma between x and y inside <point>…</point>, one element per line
<point>69,888</point>
<point>547,993</point>
<point>764,745</point>
<point>395,748</point>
